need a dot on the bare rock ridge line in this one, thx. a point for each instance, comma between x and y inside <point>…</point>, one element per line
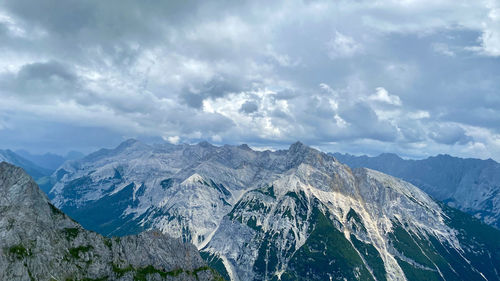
<point>294,214</point>
<point>39,242</point>
<point>471,185</point>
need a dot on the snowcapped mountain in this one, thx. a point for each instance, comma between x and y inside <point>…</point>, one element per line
<point>287,215</point>
<point>471,185</point>
<point>39,242</point>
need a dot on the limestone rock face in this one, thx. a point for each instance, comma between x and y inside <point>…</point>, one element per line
<point>39,242</point>
<point>471,185</point>
<point>295,214</point>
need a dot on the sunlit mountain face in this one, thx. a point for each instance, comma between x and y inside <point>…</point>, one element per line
<point>471,185</point>
<point>286,215</point>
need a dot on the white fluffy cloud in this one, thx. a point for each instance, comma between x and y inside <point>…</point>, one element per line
<point>172,139</point>
<point>392,75</point>
<point>490,37</point>
<point>343,46</point>
<point>381,95</point>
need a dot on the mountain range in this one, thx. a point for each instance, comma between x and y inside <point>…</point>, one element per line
<point>39,166</point>
<point>295,214</point>
<point>49,161</point>
<point>471,185</point>
<point>34,170</point>
<point>39,242</point>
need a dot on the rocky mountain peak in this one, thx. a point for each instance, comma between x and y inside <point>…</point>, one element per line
<point>299,153</point>
<point>131,143</point>
<point>245,147</point>
<point>205,144</point>
<point>18,189</point>
<point>279,215</point>
<point>9,175</point>
<point>297,146</point>
<point>128,142</point>
<point>390,156</point>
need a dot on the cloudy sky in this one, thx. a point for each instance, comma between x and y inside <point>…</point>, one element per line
<point>414,77</point>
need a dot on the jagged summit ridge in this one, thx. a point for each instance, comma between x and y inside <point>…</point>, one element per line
<point>472,185</point>
<point>262,214</point>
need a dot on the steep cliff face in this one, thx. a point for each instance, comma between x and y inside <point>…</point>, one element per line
<point>39,242</point>
<point>314,224</point>
<point>471,185</point>
<point>295,214</point>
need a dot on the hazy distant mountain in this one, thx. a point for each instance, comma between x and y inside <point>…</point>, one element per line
<point>40,167</point>
<point>39,242</point>
<point>31,168</point>
<point>471,185</point>
<point>295,214</point>
<point>50,161</point>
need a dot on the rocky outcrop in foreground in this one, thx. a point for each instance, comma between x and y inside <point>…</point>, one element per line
<point>39,242</point>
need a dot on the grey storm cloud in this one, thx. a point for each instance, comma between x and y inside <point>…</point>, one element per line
<point>215,88</point>
<point>45,71</point>
<point>360,76</point>
<point>449,134</point>
<point>249,107</point>
<point>40,80</point>
<point>366,123</point>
